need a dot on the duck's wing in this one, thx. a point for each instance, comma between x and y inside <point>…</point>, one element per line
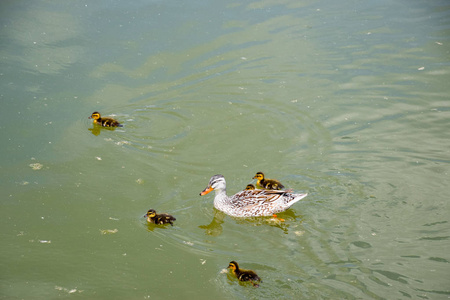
<point>110,122</point>
<point>169,217</point>
<point>259,196</point>
<point>261,201</point>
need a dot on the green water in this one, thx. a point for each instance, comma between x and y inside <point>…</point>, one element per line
<point>347,101</point>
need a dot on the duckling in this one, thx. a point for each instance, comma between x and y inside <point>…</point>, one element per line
<point>159,219</point>
<point>250,187</point>
<point>268,184</point>
<point>244,275</point>
<point>105,122</point>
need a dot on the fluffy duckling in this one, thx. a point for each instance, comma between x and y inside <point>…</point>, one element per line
<point>105,122</point>
<point>268,184</point>
<point>244,275</point>
<point>250,187</point>
<point>159,219</point>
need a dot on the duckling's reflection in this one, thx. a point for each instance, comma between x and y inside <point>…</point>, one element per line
<point>281,221</point>
<point>96,129</point>
<point>152,227</point>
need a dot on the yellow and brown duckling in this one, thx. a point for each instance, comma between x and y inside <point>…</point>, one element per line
<point>268,184</point>
<point>250,187</point>
<point>105,122</point>
<point>159,219</point>
<point>244,275</point>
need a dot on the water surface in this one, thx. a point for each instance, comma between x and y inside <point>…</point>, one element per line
<point>345,101</point>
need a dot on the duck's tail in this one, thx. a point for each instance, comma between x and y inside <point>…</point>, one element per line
<point>299,197</point>
<point>295,198</point>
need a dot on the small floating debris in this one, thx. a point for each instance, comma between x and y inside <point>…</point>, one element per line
<point>299,232</point>
<point>140,181</point>
<point>188,243</point>
<point>36,166</point>
<point>45,242</point>
<point>120,143</point>
<point>109,231</point>
<point>98,158</point>
<point>70,291</point>
<point>421,68</point>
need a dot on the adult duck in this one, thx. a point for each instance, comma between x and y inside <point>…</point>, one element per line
<point>249,203</point>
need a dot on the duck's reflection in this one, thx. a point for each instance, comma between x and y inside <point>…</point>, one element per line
<point>215,227</point>
<point>281,220</point>
<point>96,129</point>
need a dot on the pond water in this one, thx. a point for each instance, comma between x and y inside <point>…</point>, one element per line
<point>347,101</point>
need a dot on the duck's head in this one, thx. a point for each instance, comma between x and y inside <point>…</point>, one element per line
<point>250,187</point>
<point>217,182</point>
<point>150,214</point>
<point>95,115</point>
<point>233,266</point>
<point>259,176</point>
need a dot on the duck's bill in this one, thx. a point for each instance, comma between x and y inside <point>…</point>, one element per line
<point>206,191</point>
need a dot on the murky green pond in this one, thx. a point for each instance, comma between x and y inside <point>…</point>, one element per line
<point>345,100</point>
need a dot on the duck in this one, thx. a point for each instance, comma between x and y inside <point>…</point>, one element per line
<point>159,219</point>
<point>268,184</point>
<point>249,203</point>
<point>244,275</point>
<point>105,122</point>
<point>250,187</point>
